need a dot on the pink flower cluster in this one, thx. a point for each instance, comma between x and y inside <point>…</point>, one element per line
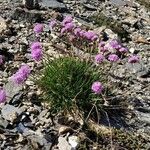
<point>21,75</point>
<point>38,28</point>
<point>36,51</point>
<point>113,44</point>
<point>69,26</point>
<point>106,47</point>
<point>97,87</point>
<point>133,59</point>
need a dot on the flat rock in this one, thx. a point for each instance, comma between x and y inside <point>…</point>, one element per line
<point>12,90</point>
<point>144,117</point>
<point>30,16</point>
<point>3,25</point>
<point>10,112</point>
<point>63,144</point>
<point>3,122</point>
<point>139,69</point>
<point>52,4</point>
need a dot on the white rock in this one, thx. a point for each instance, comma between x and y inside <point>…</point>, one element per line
<point>63,144</point>
<point>131,50</point>
<point>73,141</point>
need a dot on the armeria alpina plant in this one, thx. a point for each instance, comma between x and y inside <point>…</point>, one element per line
<point>66,83</point>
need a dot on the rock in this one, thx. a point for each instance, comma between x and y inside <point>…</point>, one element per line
<point>144,117</point>
<point>17,98</point>
<point>90,7</point>
<point>139,69</point>
<point>64,129</point>
<point>111,34</point>
<point>73,141</point>
<point>4,123</point>
<point>10,112</point>
<point>11,89</point>
<point>30,4</point>
<point>63,144</point>
<point>25,15</point>
<point>3,25</point>
<point>118,2</point>
<point>52,4</point>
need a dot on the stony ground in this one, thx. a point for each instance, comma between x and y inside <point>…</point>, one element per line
<point>26,123</point>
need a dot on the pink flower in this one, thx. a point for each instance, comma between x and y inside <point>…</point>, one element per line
<point>123,50</point>
<point>115,44</point>
<point>66,20</point>
<point>36,54</point>
<point>1,59</point>
<point>89,35</point>
<point>52,23</point>
<point>113,58</point>
<point>82,32</point>
<point>36,45</point>
<point>25,70</point>
<point>77,31</point>
<point>101,44</point>
<point>21,75</point>
<point>94,38</point>
<point>38,28</point>
<point>105,48</point>
<point>63,30</point>
<point>97,87</point>
<point>69,26</point>
<point>99,58</point>
<point>133,59</point>
<point>2,95</point>
<point>18,78</point>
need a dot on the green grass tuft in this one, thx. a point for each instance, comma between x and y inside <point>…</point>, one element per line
<point>66,83</point>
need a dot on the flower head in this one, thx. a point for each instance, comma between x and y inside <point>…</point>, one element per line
<point>36,54</point>
<point>101,44</point>
<point>66,20</point>
<point>115,44</point>
<point>123,50</point>
<point>113,58</point>
<point>89,35</point>
<point>99,58</point>
<point>2,95</point>
<point>77,31</point>
<point>21,75</point>
<point>63,30</point>
<point>36,45</point>
<point>25,70</point>
<point>69,26</point>
<point>97,87</point>
<point>38,28</point>
<point>133,59</point>
<point>1,59</point>
<point>81,33</point>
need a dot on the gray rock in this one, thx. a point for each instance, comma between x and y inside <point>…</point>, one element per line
<point>4,123</point>
<point>25,15</point>
<point>139,69</point>
<point>90,7</point>
<point>63,144</point>
<point>30,4</point>
<point>11,90</point>
<point>144,117</point>
<point>10,112</point>
<point>52,4</point>
<point>3,25</point>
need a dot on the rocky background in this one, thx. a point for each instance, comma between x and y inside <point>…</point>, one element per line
<point>26,123</point>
